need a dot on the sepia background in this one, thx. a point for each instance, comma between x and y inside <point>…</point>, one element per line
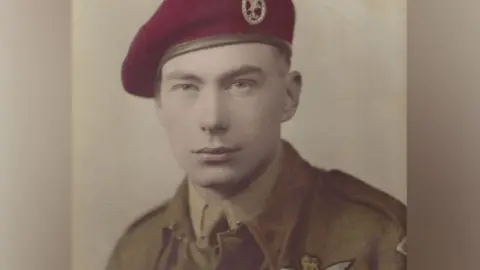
<point>352,114</point>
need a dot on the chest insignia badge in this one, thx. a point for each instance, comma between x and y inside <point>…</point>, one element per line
<point>310,263</point>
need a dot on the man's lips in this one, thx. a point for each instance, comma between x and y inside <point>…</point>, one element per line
<point>216,154</point>
<point>216,150</point>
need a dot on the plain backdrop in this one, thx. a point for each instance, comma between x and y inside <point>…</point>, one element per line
<point>352,113</point>
<point>35,141</point>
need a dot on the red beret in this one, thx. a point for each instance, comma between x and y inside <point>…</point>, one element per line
<point>180,26</point>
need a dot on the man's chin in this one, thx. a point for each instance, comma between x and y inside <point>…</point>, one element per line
<point>215,182</point>
<point>215,179</point>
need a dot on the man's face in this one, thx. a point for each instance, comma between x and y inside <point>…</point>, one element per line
<point>222,109</point>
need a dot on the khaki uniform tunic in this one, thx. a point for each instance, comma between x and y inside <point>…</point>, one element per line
<point>312,219</point>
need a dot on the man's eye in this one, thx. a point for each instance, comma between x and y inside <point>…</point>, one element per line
<point>185,87</point>
<point>244,83</point>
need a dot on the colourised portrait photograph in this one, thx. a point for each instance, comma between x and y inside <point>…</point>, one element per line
<point>239,134</point>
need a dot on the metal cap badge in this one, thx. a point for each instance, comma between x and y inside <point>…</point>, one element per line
<point>254,11</point>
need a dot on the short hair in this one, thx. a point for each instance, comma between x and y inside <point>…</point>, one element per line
<point>284,57</point>
<point>285,54</point>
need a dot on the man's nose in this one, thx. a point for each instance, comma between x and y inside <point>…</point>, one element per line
<point>212,112</point>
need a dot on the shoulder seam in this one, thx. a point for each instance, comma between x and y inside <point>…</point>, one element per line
<point>394,210</point>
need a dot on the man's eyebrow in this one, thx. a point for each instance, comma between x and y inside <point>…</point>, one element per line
<point>234,72</point>
<point>242,70</point>
<point>181,75</point>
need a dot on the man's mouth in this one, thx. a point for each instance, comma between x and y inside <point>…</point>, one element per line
<point>216,150</point>
<point>216,154</point>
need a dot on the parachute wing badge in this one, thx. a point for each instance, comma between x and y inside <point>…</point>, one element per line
<point>341,265</point>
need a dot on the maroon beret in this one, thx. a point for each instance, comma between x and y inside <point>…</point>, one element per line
<point>180,26</point>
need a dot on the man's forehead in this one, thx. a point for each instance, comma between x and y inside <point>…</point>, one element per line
<point>249,56</point>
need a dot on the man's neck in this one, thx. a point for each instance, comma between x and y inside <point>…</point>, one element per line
<point>221,193</point>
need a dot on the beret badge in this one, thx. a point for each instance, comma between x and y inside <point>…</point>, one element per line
<point>254,11</point>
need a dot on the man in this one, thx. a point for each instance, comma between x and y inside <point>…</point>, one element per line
<point>219,71</point>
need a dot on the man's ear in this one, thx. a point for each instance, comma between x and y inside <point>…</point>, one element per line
<point>292,99</point>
